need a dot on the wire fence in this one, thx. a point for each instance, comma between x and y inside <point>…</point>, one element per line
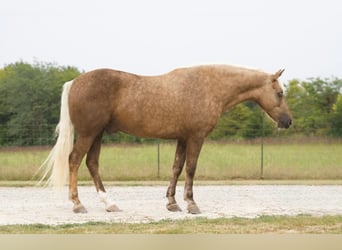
<point>261,157</point>
<point>45,135</point>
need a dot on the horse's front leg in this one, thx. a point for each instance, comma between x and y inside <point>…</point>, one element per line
<point>193,149</point>
<point>176,169</point>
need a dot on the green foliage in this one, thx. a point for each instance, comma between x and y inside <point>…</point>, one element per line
<point>336,117</point>
<point>231,123</point>
<point>244,121</point>
<point>30,103</point>
<point>316,106</point>
<point>30,100</point>
<point>312,103</point>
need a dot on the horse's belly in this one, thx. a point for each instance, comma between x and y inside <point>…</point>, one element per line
<point>152,129</point>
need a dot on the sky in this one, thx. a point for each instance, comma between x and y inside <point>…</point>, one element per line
<point>151,37</point>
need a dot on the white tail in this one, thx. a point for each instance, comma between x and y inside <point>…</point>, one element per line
<point>57,163</point>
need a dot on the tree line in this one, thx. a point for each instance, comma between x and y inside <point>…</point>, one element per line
<point>30,104</point>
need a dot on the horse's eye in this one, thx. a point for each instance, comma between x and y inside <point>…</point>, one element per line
<point>280,94</point>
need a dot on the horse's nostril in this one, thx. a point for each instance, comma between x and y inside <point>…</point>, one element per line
<point>289,122</point>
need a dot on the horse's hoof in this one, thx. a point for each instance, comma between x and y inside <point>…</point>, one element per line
<point>113,208</point>
<point>79,209</point>
<point>173,207</point>
<point>193,208</point>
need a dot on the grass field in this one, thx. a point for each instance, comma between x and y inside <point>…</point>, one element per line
<point>263,224</point>
<point>310,161</point>
<point>218,163</point>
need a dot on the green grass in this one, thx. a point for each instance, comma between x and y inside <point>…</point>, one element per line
<point>263,224</point>
<point>217,161</point>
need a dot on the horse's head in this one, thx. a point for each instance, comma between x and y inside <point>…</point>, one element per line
<point>272,99</point>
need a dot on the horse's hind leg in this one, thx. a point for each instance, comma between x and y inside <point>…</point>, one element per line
<point>177,169</point>
<point>93,167</point>
<point>81,147</point>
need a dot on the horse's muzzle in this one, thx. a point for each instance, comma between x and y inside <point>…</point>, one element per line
<point>284,121</point>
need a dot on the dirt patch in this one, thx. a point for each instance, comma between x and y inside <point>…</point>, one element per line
<point>141,204</point>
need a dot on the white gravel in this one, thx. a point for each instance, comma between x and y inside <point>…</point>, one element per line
<point>141,204</point>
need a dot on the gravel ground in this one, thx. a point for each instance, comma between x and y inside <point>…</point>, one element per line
<point>141,204</point>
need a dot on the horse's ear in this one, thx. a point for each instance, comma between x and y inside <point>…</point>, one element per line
<point>277,74</point>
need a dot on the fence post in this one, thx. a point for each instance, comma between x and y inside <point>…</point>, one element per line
<point>262,147</point>
<point>158,160</point>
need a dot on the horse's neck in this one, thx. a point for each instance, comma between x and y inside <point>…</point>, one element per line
<point>242,86</point>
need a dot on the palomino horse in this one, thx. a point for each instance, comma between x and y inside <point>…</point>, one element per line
<point>184,104</point>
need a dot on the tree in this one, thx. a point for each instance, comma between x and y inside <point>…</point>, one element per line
<point>231,123</point>
<point>243,121</point>
<point>336,118</point>
<point>311,103</point>
<point>29,101</point>
<point>252,128</point>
